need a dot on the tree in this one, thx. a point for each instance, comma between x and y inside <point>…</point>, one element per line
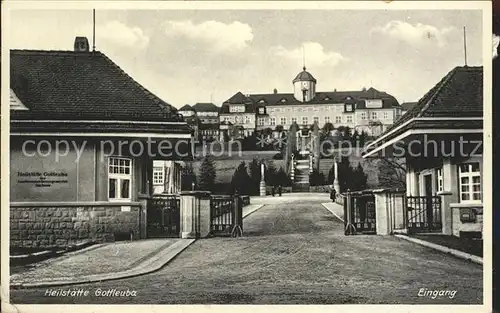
<point>344,174</point>
<point>254,169</point>
<point>279,128</point>
<point>316,178</point>
<point>362,138</point>
<point>270,174</point>
<point>282,178</point>
<point>207,174</point>
<point>327,128</point>
<point>188,177</point>
<point>267,132</point>
<point>355,137</point>
<point>359,180</point>
<point>239,182</point>
<point>392,172</point>
<point>331,175</point>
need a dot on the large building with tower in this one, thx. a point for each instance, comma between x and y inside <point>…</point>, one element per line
<point>368,110</point>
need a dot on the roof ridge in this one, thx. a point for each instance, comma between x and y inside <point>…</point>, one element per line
<point>441,85</point>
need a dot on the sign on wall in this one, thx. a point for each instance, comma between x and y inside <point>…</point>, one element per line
<point>373,103</point>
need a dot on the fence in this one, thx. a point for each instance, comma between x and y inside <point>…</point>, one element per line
<point>359,213</point>
<point>163,216</point>
<point>424,213</point>
<point>226,218</point>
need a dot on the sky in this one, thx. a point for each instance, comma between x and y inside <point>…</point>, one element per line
<point>189,56</point>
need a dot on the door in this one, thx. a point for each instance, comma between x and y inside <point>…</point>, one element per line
<point>428,199</point>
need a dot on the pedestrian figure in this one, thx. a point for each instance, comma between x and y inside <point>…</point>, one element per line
<point>273,191</point>
<point>333,195</point>
<point>279,190</point>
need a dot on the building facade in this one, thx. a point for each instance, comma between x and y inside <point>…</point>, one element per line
<point>442,136</point>
<point>77,170</point>
<point>205,119</point>
<point>368,110</point>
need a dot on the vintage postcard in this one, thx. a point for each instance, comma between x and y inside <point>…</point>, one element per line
<point>186,155</point>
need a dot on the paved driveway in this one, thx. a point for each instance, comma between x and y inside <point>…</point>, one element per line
<point>296,253</point>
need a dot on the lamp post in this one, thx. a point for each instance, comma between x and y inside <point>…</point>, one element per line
<point>192,186</point>
<point>336,184</point>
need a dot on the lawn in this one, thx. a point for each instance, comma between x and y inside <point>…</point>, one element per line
<point>472,246</point>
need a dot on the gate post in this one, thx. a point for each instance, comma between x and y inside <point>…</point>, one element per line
<point>143,215</point>
<point>195,214</point>
<point>383,223</point>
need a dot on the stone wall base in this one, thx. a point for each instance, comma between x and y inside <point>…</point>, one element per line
<point>62,226</point>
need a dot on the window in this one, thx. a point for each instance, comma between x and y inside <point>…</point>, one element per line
<point>283,121</point>
<point>304,120</point>
<point>316,109</point>
<point>158,178</point>
<point>374,115</point>
<point>261,122</point>
<point>236,119</point>
<point>338,119</point>
<point>273,121</point>
<point>470,182</point>
<point>386,115</point>
<point>247,119</point>
<point>363,115</point>
<point>439,179</point>
<point>226,119</point>
<point>316,119</point>
<point>349,119</point>
<point>119,179</point>
<point>327,119</point>
<point>294,120</point>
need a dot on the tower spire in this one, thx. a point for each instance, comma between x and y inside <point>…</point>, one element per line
<point>93,30</point>
<point>303,57</point>
<point>465,47</point>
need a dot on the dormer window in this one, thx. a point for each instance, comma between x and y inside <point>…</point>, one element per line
<point>262,101</point>
<point>327,99</point>
<point>262,110</point>
<point>283,100</point>
<point>348,107</point>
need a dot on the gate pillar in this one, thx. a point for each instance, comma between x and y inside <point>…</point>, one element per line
<point>143,215</point>
<point>195,214</point>
<point>383,223</point>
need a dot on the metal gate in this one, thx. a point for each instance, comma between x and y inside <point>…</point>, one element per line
<point>359,213</point>
<point>226,218</point>
<point>424,214</point>
<point>163,216</point>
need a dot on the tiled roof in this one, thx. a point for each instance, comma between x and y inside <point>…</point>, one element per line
<point>186,107</point>
<point>205,107</point>
<point>332,97</point>
<point>67,85</point>
<point>458,94</point>
<point>408,105</point>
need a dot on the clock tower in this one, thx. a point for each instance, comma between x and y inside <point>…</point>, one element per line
<point>304,86</point>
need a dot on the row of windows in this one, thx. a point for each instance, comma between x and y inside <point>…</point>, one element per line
<point>469,180</point>
<point>304,120</point>
<point>307,109</point>
<point>237,119</point>
<point>374,115</point>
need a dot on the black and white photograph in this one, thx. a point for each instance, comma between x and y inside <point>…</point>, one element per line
<point>260,153</point>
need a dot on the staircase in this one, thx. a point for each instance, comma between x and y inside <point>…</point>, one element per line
<point>301,181</point>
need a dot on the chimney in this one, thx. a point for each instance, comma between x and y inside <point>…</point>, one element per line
<point>275,91</point>
<point>81,44</point>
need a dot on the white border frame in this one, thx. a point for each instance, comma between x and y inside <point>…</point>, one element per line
<point>485,6</point>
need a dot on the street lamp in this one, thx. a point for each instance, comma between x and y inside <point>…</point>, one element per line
<point>192,186</point>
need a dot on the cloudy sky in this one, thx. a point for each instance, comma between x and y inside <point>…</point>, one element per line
<point>195,56</point>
